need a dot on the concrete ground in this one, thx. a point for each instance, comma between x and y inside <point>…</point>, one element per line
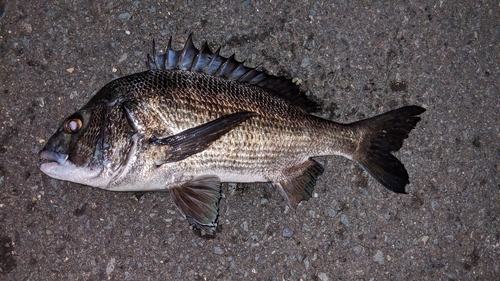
<point>350,56</point>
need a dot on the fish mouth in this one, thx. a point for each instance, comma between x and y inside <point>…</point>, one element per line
<point>57,165</point>
<point>48,156</point>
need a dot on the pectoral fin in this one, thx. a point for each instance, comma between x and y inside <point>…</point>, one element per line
<point>198,200</point>
<point>300,182</point>
<point>197,139</point>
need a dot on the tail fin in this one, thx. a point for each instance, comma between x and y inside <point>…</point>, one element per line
<point>382,135</point>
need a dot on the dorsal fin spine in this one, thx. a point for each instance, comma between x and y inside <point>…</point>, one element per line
<point>223,66</point>
<point>245,77</point>
<point>209,65</point>
<point>256,80</point>
<point>203,53</point>
<point>203,60</point>
<point>188,55</point>
<point>233,75</point>
<point>183,53</point>
<point>196,60</point>
<point>166,62</point>
<point>218,60</point>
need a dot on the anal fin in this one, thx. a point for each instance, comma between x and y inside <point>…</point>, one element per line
<point>198,200</point>
<point>299,183</point>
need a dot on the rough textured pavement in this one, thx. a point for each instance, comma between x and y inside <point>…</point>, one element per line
<point>357,59</point>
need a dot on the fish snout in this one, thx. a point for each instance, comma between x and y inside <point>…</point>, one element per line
<point>47,156</point>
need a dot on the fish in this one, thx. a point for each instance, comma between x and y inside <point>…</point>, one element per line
<point>196,119</point>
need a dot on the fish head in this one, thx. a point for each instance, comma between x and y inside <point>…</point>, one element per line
<point>91,146</point>
<point>74,151</point>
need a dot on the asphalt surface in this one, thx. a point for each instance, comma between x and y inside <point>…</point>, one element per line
<point>357,59</point>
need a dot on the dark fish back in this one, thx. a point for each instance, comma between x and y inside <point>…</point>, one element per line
<point>205,61</point>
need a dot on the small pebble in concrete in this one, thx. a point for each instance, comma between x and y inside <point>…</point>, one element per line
<point>287,232</point>
<point>379,257</point>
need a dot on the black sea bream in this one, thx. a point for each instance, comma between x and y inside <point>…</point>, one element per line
<point>196,119</point>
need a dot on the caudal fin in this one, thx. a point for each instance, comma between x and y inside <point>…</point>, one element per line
<point>382,135</point>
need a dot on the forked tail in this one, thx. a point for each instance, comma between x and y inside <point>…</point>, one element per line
<point>382,135</point>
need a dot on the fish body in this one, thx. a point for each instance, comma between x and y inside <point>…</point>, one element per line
<point>196,119</point>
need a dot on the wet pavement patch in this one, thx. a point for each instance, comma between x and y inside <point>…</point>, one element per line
<point>7,261</point>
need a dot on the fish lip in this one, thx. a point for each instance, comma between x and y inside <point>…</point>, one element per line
<point>57,165</point>
<point>49,156</point>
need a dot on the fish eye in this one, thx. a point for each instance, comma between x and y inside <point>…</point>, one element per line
<point>73,125</point>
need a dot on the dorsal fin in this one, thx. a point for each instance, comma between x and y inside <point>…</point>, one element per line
<point>205,61</point>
